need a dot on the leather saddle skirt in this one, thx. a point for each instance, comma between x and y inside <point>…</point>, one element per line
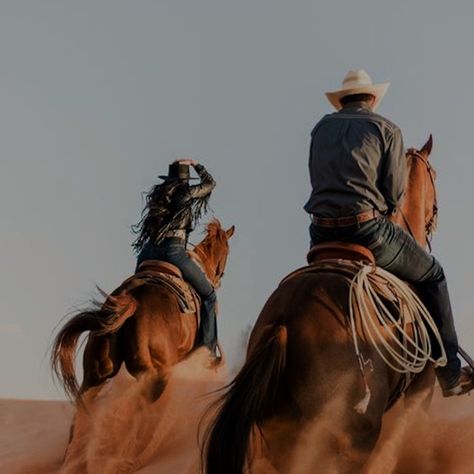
<point>169,276</point>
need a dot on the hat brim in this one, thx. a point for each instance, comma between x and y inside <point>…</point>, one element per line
<point>167,178</point>
<point>377,90</point>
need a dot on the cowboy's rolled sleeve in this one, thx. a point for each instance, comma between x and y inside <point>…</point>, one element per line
<point>205,187</point>
<point>394,175</point>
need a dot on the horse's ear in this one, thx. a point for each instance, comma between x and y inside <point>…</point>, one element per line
<point>428,146</point>
<point>230,232</point>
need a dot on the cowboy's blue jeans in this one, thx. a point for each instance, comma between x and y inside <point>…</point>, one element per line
<point>174,251</point>
<point>397,252</point>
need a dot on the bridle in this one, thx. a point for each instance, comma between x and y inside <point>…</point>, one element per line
<point>430,225</point>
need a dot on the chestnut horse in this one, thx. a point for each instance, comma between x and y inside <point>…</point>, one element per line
<point>142,327</point>
<point>295,395</point>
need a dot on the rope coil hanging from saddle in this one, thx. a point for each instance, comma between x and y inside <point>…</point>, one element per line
<point>403,352</point>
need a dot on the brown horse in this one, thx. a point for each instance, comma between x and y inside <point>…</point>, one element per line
<point>142,327</point>
<point>295,395</point>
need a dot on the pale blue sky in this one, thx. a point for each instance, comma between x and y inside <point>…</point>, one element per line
<point>98,96</point>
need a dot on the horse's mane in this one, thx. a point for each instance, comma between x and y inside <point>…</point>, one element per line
<point>214,233</point>
<point>214,227</point>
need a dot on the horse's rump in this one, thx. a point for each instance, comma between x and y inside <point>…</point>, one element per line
<point>310,308</point>
<point>154,292</point>
<point>373,316</point>
<point>297,349</point>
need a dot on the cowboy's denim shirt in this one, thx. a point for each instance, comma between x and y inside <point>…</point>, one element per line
<point>357,163</point>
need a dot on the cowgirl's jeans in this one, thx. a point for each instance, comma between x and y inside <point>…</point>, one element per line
<point>397,252</point>
<point>174,251</point>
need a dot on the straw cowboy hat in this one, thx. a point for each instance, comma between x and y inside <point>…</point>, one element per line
<point>357,82</point>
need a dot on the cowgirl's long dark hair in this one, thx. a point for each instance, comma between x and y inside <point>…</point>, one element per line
<point>158,215</point>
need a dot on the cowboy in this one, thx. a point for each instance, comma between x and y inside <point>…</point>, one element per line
<point>358,170</point>
<point>171,213</point>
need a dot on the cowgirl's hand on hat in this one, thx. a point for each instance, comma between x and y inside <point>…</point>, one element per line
<point>186,161</point>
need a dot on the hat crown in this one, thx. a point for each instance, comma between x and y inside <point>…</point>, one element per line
<point>356,79</point>
<point>178,171</point>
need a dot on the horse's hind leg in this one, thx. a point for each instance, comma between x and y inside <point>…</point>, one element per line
<point>146,355</point>
<point>400,418</point>
<point>101,361</point>
<point>421,390</point>
<point>364,431</point>
<point>153,377</point>
<point>156,381</point>
<point>87,398</point>
<point>318,445</point>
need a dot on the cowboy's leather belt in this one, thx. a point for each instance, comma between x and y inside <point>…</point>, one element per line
<point>346,220</point>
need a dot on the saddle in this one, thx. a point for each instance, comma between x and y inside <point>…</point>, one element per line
<point>346,255</point>
<point>159,266</point>
<point>156,272</point>
<point>340,250</point>
<point>346,252</point>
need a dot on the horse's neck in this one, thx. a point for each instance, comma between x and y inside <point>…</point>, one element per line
<point>199,255</point>
<point>411,215</point>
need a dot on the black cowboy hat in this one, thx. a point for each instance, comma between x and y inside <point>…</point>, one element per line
<point>177,171</point>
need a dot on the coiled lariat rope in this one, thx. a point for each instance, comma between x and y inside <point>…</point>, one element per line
<point>403,352</point>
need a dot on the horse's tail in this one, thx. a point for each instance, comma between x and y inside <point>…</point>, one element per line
<point>101,320</point>
<point>249,398</point>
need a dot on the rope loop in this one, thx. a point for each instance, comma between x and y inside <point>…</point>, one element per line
<point>403,352</point>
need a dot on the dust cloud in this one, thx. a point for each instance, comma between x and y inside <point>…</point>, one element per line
<point>440,441</point>
<point>122,432</point>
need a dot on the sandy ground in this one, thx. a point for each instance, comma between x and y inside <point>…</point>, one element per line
<point>33,435</point>
<point>124,433</point>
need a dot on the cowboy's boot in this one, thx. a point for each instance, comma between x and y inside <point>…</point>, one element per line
<point>464,384</point>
